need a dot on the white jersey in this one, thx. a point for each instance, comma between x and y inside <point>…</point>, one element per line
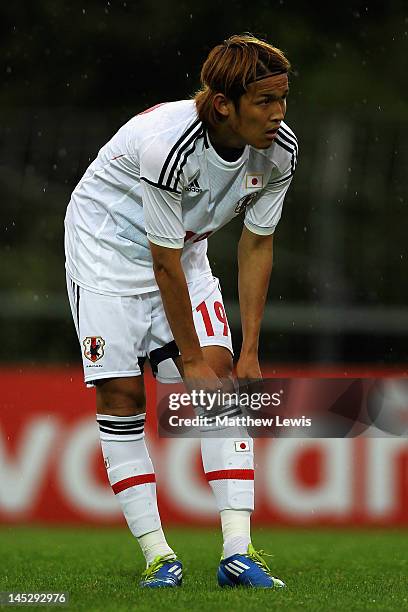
<point>160,179</point>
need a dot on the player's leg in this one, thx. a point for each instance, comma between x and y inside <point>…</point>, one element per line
<point>111,332</point>
<point>121,413</point>
<point>228,460</point>
<point>227,454</point>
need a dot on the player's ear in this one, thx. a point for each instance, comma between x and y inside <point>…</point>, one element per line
<point>222,105</point>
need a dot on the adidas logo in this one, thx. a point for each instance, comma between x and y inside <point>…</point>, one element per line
<point>194,186</point>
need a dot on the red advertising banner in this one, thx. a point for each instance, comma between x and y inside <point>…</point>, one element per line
<point>51,468</point>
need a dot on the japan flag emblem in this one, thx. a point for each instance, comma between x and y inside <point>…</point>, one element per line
<point>242,446</point>
<point>254,181</point>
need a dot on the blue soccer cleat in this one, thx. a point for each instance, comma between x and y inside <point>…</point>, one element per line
<point>163,572</point>
<point>248,570</point>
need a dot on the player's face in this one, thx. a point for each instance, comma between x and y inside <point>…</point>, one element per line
<point>261,111</point>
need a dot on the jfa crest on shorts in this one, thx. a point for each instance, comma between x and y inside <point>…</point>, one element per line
<point>94,347</point>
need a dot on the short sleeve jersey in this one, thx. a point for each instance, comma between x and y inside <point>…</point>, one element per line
<point>159,179</point>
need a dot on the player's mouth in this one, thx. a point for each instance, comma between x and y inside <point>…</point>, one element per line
<point>270,134</point>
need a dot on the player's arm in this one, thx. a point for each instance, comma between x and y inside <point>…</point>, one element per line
<point>170,278</point>
<point>172,283</point>
<point>255,254</point>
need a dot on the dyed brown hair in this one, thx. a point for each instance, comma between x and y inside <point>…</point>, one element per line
<point>233,65</point>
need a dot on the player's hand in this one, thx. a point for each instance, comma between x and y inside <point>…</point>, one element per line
<point>248,367</point>
<point>199,375</point>
<point>249,374</point>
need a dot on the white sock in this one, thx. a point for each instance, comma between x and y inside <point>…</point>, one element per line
<point>154,544</point>
<point>229,467</point>
<point>131,475</point>
<point>236,531</point>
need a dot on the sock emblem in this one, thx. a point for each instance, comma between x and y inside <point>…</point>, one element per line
<point>242,446</point>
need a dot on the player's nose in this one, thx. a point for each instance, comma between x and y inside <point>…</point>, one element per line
<point>278,111</point>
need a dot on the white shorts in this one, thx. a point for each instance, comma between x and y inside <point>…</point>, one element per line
<point>117,333</point>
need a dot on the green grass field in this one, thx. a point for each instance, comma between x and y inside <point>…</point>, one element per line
<point>324,570</point>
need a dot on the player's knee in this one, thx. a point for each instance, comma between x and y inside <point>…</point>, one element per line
<point>224,370</point>
<point>120,397</point>
<point>220,360</point>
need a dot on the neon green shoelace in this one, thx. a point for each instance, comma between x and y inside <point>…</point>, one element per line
<point>256,556</point>
<point>155,565</point>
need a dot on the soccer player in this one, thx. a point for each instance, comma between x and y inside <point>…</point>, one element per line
<point>140,283</point>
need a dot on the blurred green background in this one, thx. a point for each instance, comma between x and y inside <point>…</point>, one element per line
<point>73,72</point>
